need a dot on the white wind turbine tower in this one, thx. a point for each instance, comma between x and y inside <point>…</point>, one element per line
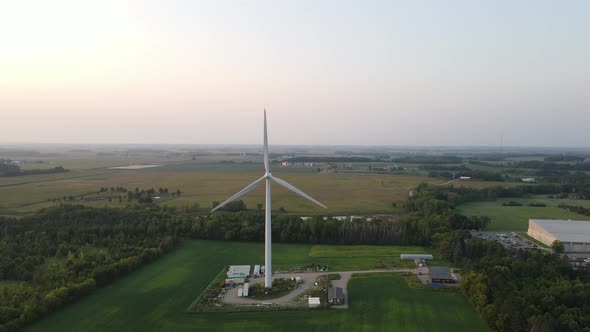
<point>267,226</point>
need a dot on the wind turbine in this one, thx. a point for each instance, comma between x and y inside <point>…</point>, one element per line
<point>267,226</point>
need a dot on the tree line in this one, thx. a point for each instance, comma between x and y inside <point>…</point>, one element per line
<point>7,169</point>
<point>65,252</point>
<point>577,209</point>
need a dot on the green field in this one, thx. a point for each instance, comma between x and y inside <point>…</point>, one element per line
<point>516,218</point>
<point>207,179</point>
<point>155,297</point>
<point>204,183</point>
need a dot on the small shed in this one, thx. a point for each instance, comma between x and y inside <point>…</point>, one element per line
<point>335,295</point>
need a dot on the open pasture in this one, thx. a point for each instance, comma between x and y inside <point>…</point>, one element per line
<point>155,298</point>
<point>209,178</point>
<point>516,218</point>
<point>204,183</point>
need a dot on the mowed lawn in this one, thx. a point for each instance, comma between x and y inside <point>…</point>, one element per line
<point>155,297</point>
<point>516,218</point>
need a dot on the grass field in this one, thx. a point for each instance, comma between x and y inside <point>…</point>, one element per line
<point>204,183</point>
<point>516,218</point>
<point>208,179</point>
<point>155,297</point>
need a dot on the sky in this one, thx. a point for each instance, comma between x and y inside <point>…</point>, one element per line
<point>328,72</point>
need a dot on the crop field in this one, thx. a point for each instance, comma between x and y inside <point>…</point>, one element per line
<point>208,179</point>
<point>155,297</point>
<point>204,183</point>
<point>516,218</point>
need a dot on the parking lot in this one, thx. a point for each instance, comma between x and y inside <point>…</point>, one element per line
<point>508,239</point>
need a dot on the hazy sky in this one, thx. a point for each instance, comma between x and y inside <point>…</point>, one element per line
<point>328,72</point>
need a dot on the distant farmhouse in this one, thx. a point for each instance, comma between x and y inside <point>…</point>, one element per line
<point>574,235</point>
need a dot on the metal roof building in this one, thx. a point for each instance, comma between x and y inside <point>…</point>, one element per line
<point>441,274</point>
<point>573,234</point>
<point>335,295</point>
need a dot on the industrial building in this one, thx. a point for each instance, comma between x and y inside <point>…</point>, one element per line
<point>573,234</point>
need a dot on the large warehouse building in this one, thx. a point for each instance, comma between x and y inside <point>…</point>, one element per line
<point>573,234</point>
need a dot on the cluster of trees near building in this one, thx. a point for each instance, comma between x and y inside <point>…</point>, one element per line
<point>512,289</point>
<point>8,168</point>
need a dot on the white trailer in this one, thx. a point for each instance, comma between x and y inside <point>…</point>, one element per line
<point>246,289</point>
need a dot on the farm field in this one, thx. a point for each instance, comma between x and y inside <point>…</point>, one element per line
<point>204,183</point>
<point>208,179</point>
<point>155,297</point>
<point>516,218</point>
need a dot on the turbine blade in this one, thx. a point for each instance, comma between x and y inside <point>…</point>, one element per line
<point>266,161</point>
<point>241,193</point>
<point>295,190</point>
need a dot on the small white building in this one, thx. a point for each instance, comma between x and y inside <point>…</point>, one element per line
<point>314,302</point>
<point>529,180</point>
<point>465,178</point>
